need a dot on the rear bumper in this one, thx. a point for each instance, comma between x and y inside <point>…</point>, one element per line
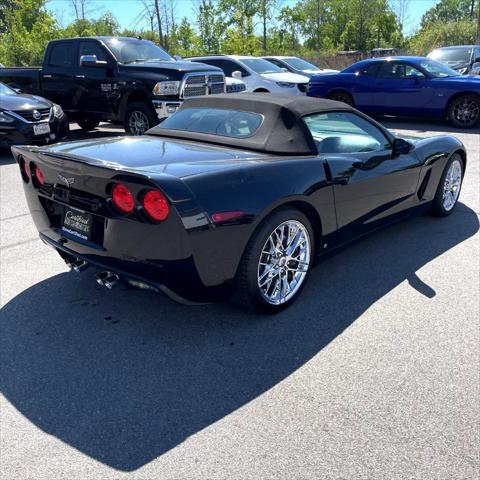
<point>189,293</point>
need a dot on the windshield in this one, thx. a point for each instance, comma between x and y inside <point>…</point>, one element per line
<point>259,65</point>
<point>215,121</point>
<point>132,50</point>
<point>300,64</point>
<point>4,90</point>
<point>438,70</point>
<point>453,55</point>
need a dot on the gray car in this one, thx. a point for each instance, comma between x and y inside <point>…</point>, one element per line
<point>465,59</point>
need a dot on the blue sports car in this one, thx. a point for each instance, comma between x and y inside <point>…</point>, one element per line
<point>404,86</point>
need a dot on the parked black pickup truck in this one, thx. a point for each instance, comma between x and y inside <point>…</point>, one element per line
<point>119,79</point>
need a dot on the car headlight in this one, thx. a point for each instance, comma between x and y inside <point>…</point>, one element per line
<point>57,110</point>
<point>462,70</point>
<point>285,84</point>
<point>166,88</point>
<point>4,118</point>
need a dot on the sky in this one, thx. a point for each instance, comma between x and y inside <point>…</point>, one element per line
<point>127,12</point>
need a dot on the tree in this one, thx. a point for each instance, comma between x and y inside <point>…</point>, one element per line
<point>266,12</point>
<point>27,29</point>
<point>441,34</point>
<point>448,11</point>
<point>210,26</point>
<point>184,41</point>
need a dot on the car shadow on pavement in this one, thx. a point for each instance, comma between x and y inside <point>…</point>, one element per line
<point>125,376</point>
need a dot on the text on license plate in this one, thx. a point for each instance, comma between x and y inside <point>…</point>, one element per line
<point>77,223</point>
<point>41,129</point>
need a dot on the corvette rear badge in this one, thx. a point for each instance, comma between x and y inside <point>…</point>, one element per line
<point>65,180</point>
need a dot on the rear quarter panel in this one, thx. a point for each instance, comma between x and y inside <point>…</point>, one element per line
<point>258,188</point>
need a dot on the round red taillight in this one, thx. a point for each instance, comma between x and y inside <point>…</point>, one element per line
<point>122,198</point>
<point>155,205</point>
<point>25,171</point>
<point>39,176</point>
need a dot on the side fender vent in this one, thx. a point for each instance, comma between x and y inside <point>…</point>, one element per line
<point>424,184</point>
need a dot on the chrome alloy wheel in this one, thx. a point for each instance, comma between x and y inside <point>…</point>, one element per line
<point>452,184</point>
<point>284,262</point>
<point>138,123</point>
<point>466,112</point>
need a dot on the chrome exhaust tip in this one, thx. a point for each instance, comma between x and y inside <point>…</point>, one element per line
<point>77,265</point>
<point>107,279</point>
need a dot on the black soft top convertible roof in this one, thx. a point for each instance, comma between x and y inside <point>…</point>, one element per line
<point>283,130</point>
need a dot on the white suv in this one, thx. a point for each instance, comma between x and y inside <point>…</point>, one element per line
<point>258,74</point>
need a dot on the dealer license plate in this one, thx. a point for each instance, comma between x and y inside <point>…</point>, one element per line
<point>77,223</point>
<point>41,129</point>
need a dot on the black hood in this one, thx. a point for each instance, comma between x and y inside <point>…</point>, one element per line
<point>176,66</point>
<point>21,102</point>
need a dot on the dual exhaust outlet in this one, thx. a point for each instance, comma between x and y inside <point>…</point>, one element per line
<point>106,279</point>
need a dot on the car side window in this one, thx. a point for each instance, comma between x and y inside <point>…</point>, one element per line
<point>398,71</point>
<point>92,48</point>
<point>345,132</point>
<point>61,55</point>
<point>370,70</point>
<point>276,62</point>
<point>229,67</point>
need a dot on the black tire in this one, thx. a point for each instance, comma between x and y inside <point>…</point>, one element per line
<point>438,205</point>
<point>139,117</point>
<point>87,124</point>
<point>249,294</point>
<point>464,111</point>
<point>342,96</point>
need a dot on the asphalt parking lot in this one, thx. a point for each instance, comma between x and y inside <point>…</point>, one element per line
<point>372,374</point>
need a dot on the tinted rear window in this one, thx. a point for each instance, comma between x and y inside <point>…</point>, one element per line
<point>215,121</point>
<point>61,55</point>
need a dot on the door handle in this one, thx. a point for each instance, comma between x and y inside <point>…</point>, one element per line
<point>46,76</point>
<point>79,76</point>
<point>341,180</point>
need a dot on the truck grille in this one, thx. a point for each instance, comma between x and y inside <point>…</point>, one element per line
<point>204,84</point>
<point>28,115</point>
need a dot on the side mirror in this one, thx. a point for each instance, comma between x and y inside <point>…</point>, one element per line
<point>237,74</point>
<point>91,61</point>
<point>401,147</point>
<point>18,90</point>
<point>284,70</point>
<point>177,58</point>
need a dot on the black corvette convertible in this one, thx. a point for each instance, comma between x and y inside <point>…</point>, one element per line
<point>233,194</point>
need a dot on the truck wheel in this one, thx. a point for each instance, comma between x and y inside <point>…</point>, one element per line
<point>139,118</point>
<point>87,124</point>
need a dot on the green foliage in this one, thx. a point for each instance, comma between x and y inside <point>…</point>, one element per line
<point>448,11</point>
<point>27,29</point>
<point>440,34</point>
<point>314,29</point>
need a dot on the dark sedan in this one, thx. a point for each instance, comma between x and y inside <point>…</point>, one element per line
<point>404,86</point>
<point>28,119</point>
<point>465,59</point>
<point>233,194</point>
